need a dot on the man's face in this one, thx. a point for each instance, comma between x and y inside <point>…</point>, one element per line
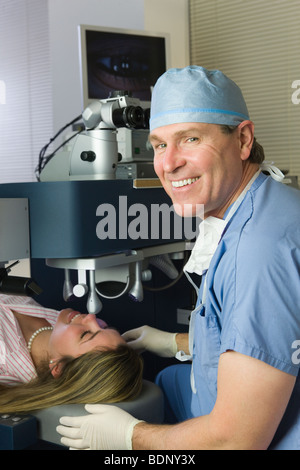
<point>198,164</point>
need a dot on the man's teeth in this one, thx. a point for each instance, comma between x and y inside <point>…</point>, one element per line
<point>179,184</point>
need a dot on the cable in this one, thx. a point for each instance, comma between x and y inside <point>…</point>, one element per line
<point>172,283</point>
<point>43,160</point>
<point>167,286</point>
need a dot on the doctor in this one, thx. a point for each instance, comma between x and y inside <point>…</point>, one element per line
<point>242,390</point>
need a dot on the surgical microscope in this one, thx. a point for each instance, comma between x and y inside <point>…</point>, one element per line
<point>78,185</point>
<point>101,232</point>
<point>95,156</point>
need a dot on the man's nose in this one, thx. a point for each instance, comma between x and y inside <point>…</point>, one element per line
<point>173,159</point>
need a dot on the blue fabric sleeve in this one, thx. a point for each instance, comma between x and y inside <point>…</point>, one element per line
<point>261,316</point>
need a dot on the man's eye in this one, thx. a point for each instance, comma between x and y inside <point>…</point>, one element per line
<point>161,146</point>
<point>192,139</point>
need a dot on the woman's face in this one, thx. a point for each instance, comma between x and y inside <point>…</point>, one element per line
<point>75,334</point>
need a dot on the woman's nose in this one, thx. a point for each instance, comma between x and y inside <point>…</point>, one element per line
<point>89,318</point>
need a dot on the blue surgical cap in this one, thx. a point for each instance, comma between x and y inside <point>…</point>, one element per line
<point>195,94</point>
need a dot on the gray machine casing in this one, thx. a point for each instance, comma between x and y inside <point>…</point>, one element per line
<point>62,225</point>
<point>148,406</point>
<point>63,216</point>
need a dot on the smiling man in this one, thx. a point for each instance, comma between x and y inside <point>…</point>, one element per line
<point>200,164</point>
<point>242,389</point>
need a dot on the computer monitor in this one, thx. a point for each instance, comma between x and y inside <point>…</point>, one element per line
<point>119,59</point>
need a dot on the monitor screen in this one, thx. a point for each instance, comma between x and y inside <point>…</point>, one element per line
<point>115,59</point>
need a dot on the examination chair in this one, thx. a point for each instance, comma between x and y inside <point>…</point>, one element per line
<point>147,406</point>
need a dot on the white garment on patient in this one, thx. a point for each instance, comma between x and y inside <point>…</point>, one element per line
<point>15,361</point>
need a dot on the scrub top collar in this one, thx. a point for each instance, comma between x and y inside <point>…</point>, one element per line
<point>212,229</point>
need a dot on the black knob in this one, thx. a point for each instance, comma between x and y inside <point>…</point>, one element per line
<point>88,156</point>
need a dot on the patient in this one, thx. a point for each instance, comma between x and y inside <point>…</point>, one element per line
<point>48,358</point>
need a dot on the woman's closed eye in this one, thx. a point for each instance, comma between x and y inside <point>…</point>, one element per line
<point>85,333</point>
<point>89,338</point>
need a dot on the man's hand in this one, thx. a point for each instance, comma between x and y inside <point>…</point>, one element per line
<point>150,339</point>
<point>106,427</point>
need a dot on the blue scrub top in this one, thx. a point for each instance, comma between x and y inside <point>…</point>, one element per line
<point>253,298</point>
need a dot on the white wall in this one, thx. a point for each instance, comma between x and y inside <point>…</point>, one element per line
<point>26,111</point>
<point>171,16</point>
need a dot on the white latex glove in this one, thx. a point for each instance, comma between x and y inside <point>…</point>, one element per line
<point>150,339</point>
<point>105,428</point>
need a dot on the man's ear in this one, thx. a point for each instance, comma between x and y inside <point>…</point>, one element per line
<point>246,135</point>
<point>56,367</point>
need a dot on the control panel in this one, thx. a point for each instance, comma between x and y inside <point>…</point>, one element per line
<point>17,432</point>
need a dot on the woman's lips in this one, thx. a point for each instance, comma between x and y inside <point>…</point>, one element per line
<point>72,315</point>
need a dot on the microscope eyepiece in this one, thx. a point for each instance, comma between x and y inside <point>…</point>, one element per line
<point>14,285</point>
<point>133,117</point>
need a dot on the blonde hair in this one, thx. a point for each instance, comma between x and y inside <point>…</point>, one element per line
<point>98,376</point>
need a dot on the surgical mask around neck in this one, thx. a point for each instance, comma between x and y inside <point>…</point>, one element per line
<point>210,232</point>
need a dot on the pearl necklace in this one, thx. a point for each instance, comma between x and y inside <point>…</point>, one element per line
<point>44,328</point>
